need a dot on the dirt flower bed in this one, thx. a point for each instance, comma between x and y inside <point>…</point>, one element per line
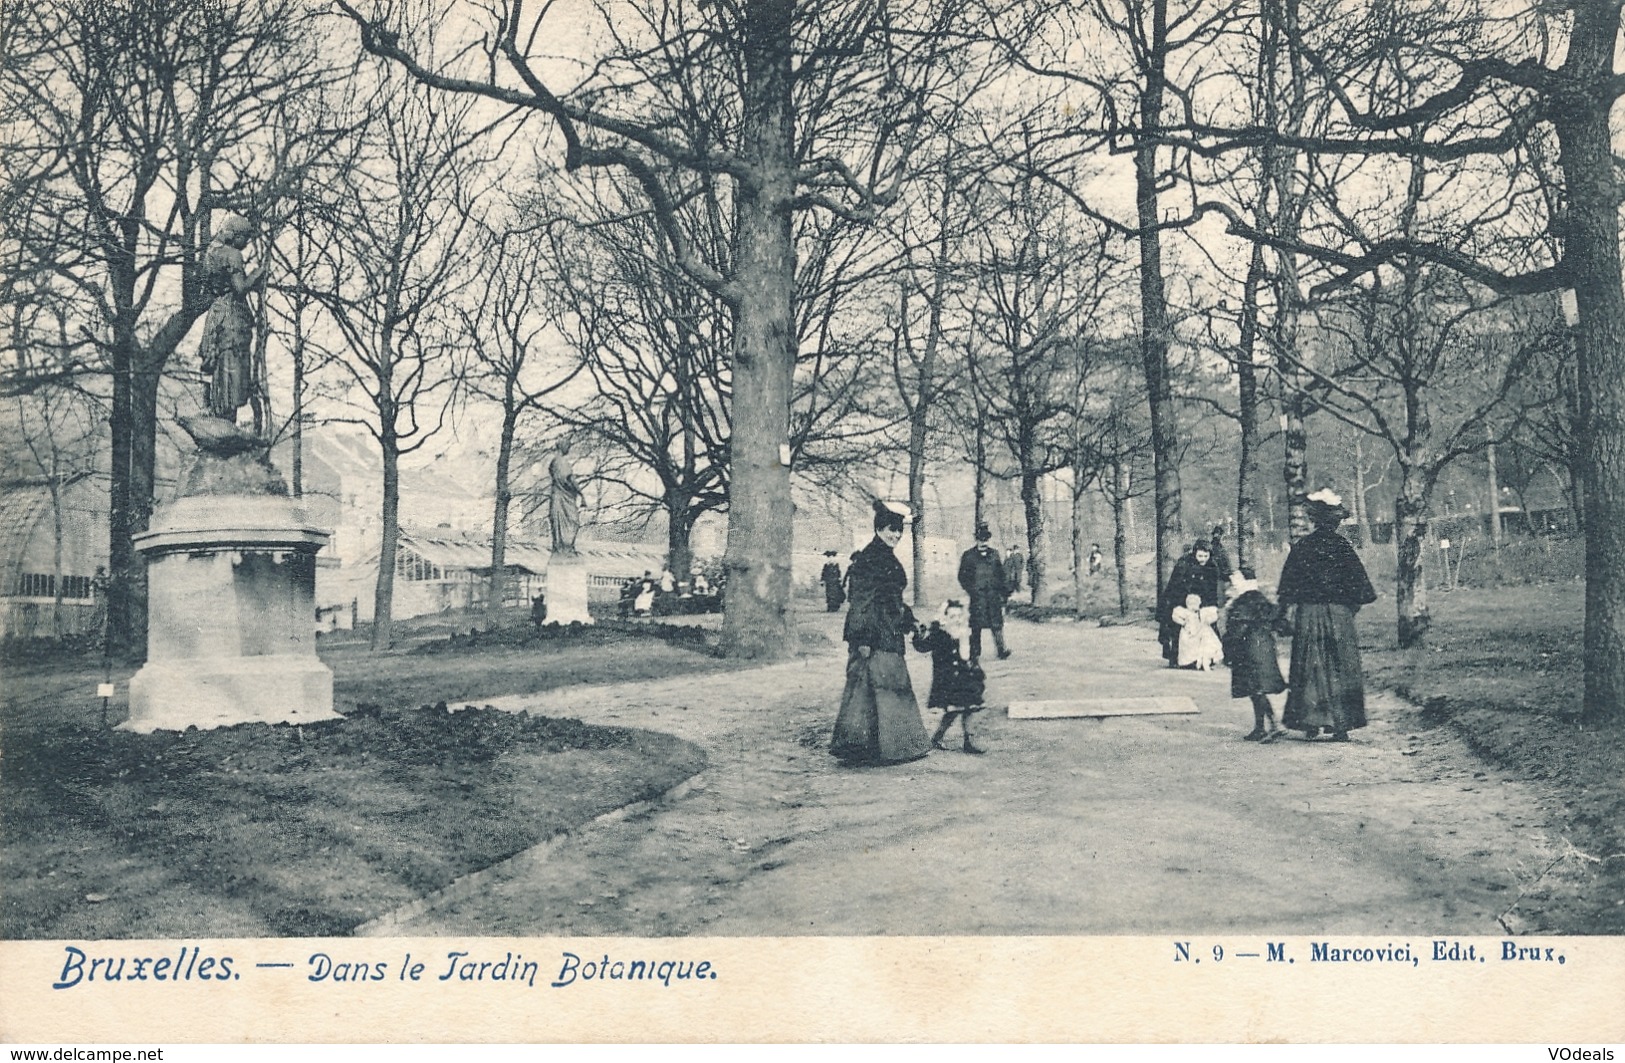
<point>600,633</point>
<point>289,831</point>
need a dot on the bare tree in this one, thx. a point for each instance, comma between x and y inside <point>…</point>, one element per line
<point>1422,364</point>
<point>1097,445</point>
<point>137,123</point>
<point>1123,96</point>
<point>1123,445</point>
<point>1502,88</point>
<point>395,253</point>
<point>743,77</point>
<point>655,348</point>
<point>1040,286</point>
<point>919,370</point>
<point>1552,432</point>
<point>506,331</point>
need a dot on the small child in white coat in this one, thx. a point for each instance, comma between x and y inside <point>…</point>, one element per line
<point>1199,645</point>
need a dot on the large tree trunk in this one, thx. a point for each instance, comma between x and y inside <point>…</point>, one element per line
<point>1154,327</point>
<point>1120,514</point>
<point>1155,333</point>
<point>1592,256</point>
<point>55,486</point>
<point>1295,402</point>
<point>1248,472</point>
<point>1080,555</point>
<point>383,599</point>
<point>143,488</point>
<point>1295,465</point>
<point>757,621</point>
<point>1410,539</point>
<point>979,488</point>
<point>1362,516</point>
<point>919,415</point>
<point>499,513</point>
<point>679,526</point>
<point>122,559</point>
<point>1575,465</point>
<point>1032,505</point>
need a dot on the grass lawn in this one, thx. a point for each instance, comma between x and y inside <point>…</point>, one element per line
<point>1503,667</point>
<point>312,830</point>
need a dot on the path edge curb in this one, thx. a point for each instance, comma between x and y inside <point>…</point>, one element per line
<point>469,884</point>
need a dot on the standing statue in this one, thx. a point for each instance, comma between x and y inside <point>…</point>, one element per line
<point>564,505</point>
<point>227,350</point>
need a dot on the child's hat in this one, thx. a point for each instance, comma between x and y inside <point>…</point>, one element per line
<point>1242,581</point>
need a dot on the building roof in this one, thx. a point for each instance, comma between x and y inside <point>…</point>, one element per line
<point>473,554</point>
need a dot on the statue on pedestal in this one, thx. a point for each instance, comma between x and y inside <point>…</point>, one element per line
<point>231,460</point>
<point>231,560</point>
<point>564,504</point>
<point>566,570</point>
<point>227,350</point>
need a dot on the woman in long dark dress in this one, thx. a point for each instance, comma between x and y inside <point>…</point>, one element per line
<point>879,721</point>
<point>1325,584</point>
<point>227,348</point>
<point>1194,573</point>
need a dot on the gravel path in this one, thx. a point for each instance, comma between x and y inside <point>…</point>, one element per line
<point>1129,825</point>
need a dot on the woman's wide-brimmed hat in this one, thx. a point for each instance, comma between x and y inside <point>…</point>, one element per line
<point>887,517</point>
<point>1326,507</point>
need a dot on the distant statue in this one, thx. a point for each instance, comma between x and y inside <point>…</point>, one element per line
<point>564,505</point>
<point>227,350</point>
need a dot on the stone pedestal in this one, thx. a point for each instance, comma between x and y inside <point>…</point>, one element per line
<point>567,589</point>
<point>231,616</point>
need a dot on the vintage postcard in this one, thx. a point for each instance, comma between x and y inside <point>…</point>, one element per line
<point>766,521</point>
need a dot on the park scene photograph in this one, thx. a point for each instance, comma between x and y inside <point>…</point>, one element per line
<point>776,468</point>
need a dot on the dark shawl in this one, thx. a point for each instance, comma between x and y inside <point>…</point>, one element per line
<point>1323,569</point>
<point>1187,578</point>
<point>877,617</point>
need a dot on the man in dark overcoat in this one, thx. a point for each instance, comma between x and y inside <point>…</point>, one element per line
<point>981,574</point>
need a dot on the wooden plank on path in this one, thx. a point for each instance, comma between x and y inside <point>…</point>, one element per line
<point>1090,707</point>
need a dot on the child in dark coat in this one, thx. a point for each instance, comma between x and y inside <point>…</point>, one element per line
<point>1249,644</point>
<point>957,683</point>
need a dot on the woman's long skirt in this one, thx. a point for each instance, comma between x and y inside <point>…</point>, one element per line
<point>226,352</point>
<point>1328,685</point>
<point>879,721</point>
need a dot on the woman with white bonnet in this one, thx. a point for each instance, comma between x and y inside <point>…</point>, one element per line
<point>1325,584</point>
<point>879,721</point>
